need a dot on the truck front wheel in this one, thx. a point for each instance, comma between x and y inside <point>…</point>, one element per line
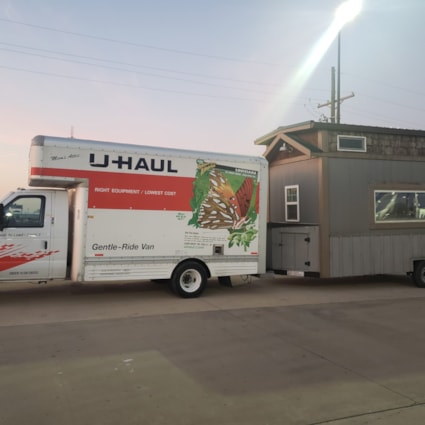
<point>189,280</point>
<point>419,274</point>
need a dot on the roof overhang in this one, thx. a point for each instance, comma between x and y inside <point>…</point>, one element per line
<point>269,137</point>
<point>281,139</point>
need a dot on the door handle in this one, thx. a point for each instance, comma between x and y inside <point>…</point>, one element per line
<point>45,244</point>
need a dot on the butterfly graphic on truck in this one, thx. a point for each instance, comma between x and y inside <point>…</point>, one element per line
<point>226,198</point>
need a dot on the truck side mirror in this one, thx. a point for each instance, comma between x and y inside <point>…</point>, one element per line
<point>2,225</point>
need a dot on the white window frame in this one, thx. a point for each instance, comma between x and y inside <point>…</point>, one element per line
<point>342,149</point>
<point>289,203</point>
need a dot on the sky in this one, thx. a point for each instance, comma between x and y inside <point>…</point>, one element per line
<point>210,75</point>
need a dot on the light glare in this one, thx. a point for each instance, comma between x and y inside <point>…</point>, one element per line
<point>347,11</point>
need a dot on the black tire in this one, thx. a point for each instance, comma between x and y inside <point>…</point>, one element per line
<point>225,281</point>
<point>419,274</point>
<point>189,280</point>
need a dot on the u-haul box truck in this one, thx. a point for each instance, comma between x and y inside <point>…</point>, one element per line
<point>102,211</point>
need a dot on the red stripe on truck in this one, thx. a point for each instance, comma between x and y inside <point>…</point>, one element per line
<point>12,255</point>
<point>109,190</point>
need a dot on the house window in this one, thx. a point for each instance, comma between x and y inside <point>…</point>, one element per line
<point>351,143</point>
<point>292,206</point>
<point>399,206</point>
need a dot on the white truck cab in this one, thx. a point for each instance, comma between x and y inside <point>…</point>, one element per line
<point>34,235</point>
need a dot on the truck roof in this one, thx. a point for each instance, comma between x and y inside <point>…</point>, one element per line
<point>42,140</point>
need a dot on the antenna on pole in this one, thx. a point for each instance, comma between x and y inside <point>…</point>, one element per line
<point>72,132</point>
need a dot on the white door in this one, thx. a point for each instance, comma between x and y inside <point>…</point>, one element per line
<point>25,246</point>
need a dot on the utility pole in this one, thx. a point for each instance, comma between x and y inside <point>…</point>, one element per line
<point>335,102</point>
<point>338,89</point>
<point>333,94</point>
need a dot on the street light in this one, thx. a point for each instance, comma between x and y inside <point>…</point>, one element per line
<point>345,13</point>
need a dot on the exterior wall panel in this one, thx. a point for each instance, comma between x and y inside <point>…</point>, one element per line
<point>304,174</point>
<point>375,254</point>
<point>350,185</point>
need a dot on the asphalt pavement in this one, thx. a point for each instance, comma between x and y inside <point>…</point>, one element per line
<point>274,350</point>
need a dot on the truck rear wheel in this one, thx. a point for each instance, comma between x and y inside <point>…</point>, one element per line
<point>189,280</point>
<point>419,274</point>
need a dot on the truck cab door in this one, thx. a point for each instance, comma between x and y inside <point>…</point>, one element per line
<point>26,248</point>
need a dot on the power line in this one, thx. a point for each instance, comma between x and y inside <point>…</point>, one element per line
<point>137,66</point>
<point>134,44</point>
<point>71,77</point>
<point>97,59</point>
<point>158,76</point>
<point>120,84</point>
<point>138,72</point>
<point>140,45</point>
<point>390,102</point>
<point>383,83</point>
<point>387,120</point>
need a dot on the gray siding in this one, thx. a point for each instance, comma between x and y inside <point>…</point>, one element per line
<point>378,254</point>
<point>350,183</point>
<point>304,174</point>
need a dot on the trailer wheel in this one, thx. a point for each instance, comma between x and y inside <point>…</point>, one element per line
<point>419,274</point>
<point>189,280</point>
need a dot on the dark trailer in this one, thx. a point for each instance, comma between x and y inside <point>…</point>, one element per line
<point>346,200</point>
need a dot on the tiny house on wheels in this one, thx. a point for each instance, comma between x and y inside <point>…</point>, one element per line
<point>346,200</point>
<point>102,211</point>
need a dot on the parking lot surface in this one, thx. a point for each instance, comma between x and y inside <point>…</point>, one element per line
<point>274,350</point>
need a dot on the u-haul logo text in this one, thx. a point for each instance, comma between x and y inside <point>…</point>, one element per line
<point>157,165</point>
